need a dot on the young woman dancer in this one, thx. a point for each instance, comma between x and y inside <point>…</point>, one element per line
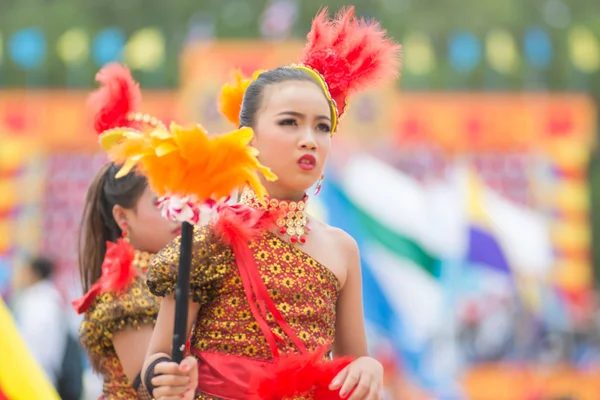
<point>265,313</point>
<point>296,288</point>
<point>121,229</point>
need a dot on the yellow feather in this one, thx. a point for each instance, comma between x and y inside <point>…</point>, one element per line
<point>126,168</point>
<point>165,148</point>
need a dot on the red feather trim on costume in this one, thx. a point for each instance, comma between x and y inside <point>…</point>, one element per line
<point>238,225</point>
<point>240,222</point>
<point>117,274</point>
<point>351,54</point>
<point>290,375</point>
<point>296,375</point>
<point>118,96</point>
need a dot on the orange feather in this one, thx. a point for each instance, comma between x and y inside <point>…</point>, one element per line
<point>232,95</point>
<point>189,161</point>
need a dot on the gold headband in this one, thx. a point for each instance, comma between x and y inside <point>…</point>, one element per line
<point>108,139</point>
<point>230,102</point>
<point>318,78</point>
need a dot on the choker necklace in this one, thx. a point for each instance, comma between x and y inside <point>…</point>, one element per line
<point>293,221</point>
<point>142,260</point>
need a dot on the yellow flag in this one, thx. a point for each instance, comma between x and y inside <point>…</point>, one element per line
<point>21,378</point>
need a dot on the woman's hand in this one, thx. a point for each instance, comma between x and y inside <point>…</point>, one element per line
<point>175,381</point>
<point>363,378</point>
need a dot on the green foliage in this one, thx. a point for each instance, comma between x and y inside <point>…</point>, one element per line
<point>241,18</point>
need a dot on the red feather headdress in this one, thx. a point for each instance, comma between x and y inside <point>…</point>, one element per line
<point>350,54</point>
<point>116,105</point>
<point>118,96</point>
<point>345,55</point>
<point>118,272</point>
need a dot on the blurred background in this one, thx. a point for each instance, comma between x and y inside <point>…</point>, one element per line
<point>471,186</point>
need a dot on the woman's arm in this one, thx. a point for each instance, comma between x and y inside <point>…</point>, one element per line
<point>131,345</point>
<point>363,378</point>
<point>350,336</point>
<point>164,377</point>
<point>162,337</point>
<point>170,379</point>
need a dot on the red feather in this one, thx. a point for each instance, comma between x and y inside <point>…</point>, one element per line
<point>351,54</point>
<point>118,95</point>
<point>243,223</point>
<point>291,375</point>
<point>117,274</point>
<point>298,375</point>
<point>117,269</point>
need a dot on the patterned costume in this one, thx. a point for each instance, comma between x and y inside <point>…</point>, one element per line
<point>225,333</point>
<point>109,312</point>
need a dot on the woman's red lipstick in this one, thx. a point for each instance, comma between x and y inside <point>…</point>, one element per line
<point>307,162</point>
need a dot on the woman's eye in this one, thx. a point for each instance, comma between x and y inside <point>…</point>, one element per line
<point>288,122</point>
<point>324,128</point>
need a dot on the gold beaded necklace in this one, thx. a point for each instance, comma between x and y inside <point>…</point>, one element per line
<point>293,221</point>
<point>142,260</point>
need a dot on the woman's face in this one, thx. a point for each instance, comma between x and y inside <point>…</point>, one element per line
<point>293,136</point>
<point>147,229</point>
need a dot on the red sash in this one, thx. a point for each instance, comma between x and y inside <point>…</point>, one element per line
<point>227,376</point>
<point>235,378</point>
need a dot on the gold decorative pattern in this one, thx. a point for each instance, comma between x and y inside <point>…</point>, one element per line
<point>304,291</point>
<point>142,260</point>
<point>293,221</point>
<point>146,119</point>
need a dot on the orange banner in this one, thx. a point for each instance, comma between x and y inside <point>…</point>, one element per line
<point>561,125</point>
<point>528,382</point>
<point>57,120</point>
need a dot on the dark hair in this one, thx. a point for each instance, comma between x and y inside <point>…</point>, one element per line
<point>98,224</point>
<point>254,93</point>
<point>43,267</point>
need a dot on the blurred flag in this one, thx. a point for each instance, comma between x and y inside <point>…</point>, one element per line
<point>20,376</point>
<point>523,234</point>
<point>424,249</point>
<point>278,19</point>
<point>483,248</point>
<point>393,220</point>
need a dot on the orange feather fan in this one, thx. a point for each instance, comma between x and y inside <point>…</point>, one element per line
<point>351,54</point>
<point>176,161</point>
<point>189,161</point>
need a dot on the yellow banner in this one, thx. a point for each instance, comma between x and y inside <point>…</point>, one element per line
<point>21,378</point>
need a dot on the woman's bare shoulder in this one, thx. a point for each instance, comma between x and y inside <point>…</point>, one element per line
<point>337,236</point>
